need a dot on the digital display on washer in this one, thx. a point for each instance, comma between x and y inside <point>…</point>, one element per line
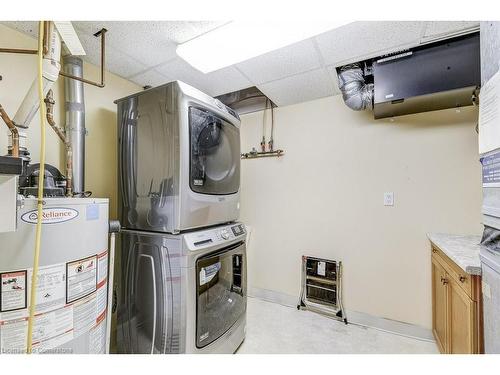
<point>238,230</point>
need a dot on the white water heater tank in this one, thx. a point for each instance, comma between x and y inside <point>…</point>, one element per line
<point>72,290</point>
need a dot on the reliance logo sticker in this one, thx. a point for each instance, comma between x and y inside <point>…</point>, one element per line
<point>50,215</point>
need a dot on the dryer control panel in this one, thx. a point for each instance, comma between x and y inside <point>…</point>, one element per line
<point>215,236</point>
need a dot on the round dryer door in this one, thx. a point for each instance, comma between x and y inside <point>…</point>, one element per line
<point>215,153</point>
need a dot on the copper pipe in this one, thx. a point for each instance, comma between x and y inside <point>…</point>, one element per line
<point>102,33</point>
<point>32,51</point>
<point>13,131</point>
<point>49,103</point>
<point>18,50</point>
<point>46,34</point>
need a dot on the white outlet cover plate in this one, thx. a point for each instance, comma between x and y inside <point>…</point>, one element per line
<point>389,199</point>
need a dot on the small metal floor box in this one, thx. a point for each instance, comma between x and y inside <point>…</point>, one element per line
<point>322,287</point>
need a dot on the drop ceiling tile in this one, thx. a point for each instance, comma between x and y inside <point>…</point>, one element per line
<point>152,42</point>
<point>334,77</point>
<point>301,87</point>
<point>27,27</point>
<point>226,80</point>
<point>216,83</point>
<point>117,62</point>
<point>359,40</point>
<point>436,29</point>
<point>182,31</point>
<point>145,41</point>
<point>150,78</point>
<point>296,58</point>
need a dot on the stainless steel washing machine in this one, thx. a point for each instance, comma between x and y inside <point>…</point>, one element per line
<point>179,160</point>
<point>182,293</point>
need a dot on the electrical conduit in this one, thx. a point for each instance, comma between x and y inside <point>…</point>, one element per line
<point>38,233</point>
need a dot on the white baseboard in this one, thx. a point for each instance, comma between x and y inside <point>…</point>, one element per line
<point>354,317</point>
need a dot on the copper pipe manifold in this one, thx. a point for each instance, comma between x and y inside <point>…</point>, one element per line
<point>49,103</point>
<point>13,130</point>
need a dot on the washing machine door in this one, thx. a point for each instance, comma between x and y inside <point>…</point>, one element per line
<point>214,153</point>
<point>221,292</point>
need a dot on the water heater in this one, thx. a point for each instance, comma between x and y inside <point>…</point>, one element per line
<point>72,288</point>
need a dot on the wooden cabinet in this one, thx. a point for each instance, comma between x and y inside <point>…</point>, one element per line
<point>456,307</point>
<point>439,298</point>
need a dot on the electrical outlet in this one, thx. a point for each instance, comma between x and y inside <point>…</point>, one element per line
<point>389,199</point>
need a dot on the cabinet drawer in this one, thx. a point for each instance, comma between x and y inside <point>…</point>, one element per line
<point>462,278</point>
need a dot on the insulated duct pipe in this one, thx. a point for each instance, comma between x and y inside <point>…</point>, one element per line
<point>357,94</point>
<point>75,119</point>
<point>50,71</point>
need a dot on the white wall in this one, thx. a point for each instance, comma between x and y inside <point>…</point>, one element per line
<point>325,198</point>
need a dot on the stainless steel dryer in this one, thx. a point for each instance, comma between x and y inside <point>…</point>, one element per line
<point>179,160</point>
<point>182,293</point>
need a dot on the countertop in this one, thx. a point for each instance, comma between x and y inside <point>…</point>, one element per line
<point>463,250</point>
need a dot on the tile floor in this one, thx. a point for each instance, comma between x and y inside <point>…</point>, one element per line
<point>273,329</point>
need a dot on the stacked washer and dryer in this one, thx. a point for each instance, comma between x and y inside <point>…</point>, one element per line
<point>182,287</point>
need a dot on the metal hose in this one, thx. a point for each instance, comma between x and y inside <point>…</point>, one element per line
<point>357,94</point>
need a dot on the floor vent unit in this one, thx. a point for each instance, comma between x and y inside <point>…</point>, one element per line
<point>322,287</point>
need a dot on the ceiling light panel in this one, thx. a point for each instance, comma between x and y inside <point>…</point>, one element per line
<point>238,41</point>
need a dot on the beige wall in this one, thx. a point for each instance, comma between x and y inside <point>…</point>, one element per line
<point>18,71</point>
<point>325,198</point>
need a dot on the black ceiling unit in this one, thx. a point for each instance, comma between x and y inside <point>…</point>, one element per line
<point>438,76</point>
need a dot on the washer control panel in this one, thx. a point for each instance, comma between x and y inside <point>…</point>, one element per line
<point>215,236</point>
<point>238,229</point>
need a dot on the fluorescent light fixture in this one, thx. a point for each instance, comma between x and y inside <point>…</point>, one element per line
<point>238,41</point>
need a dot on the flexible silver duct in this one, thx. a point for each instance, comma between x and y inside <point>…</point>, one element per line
<point>357,94</point>
<point>75,119</point>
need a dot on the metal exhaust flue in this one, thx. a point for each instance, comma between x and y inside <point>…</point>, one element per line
<point>75,120</point>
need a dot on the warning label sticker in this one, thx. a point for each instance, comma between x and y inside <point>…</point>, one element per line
<point>81,278</point>
<point>13,291</point>
<point>50,293</point>
<point>84,315</point>
<point>50,325</point>
<point>97,338</point>
<point>102,299</point>
<point>102,267</point>
<point>56,321</point>
<point>49,330</point>
<point>13,336</point>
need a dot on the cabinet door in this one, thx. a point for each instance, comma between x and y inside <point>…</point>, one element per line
<point>439,303</point>
<point>461,321</point>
